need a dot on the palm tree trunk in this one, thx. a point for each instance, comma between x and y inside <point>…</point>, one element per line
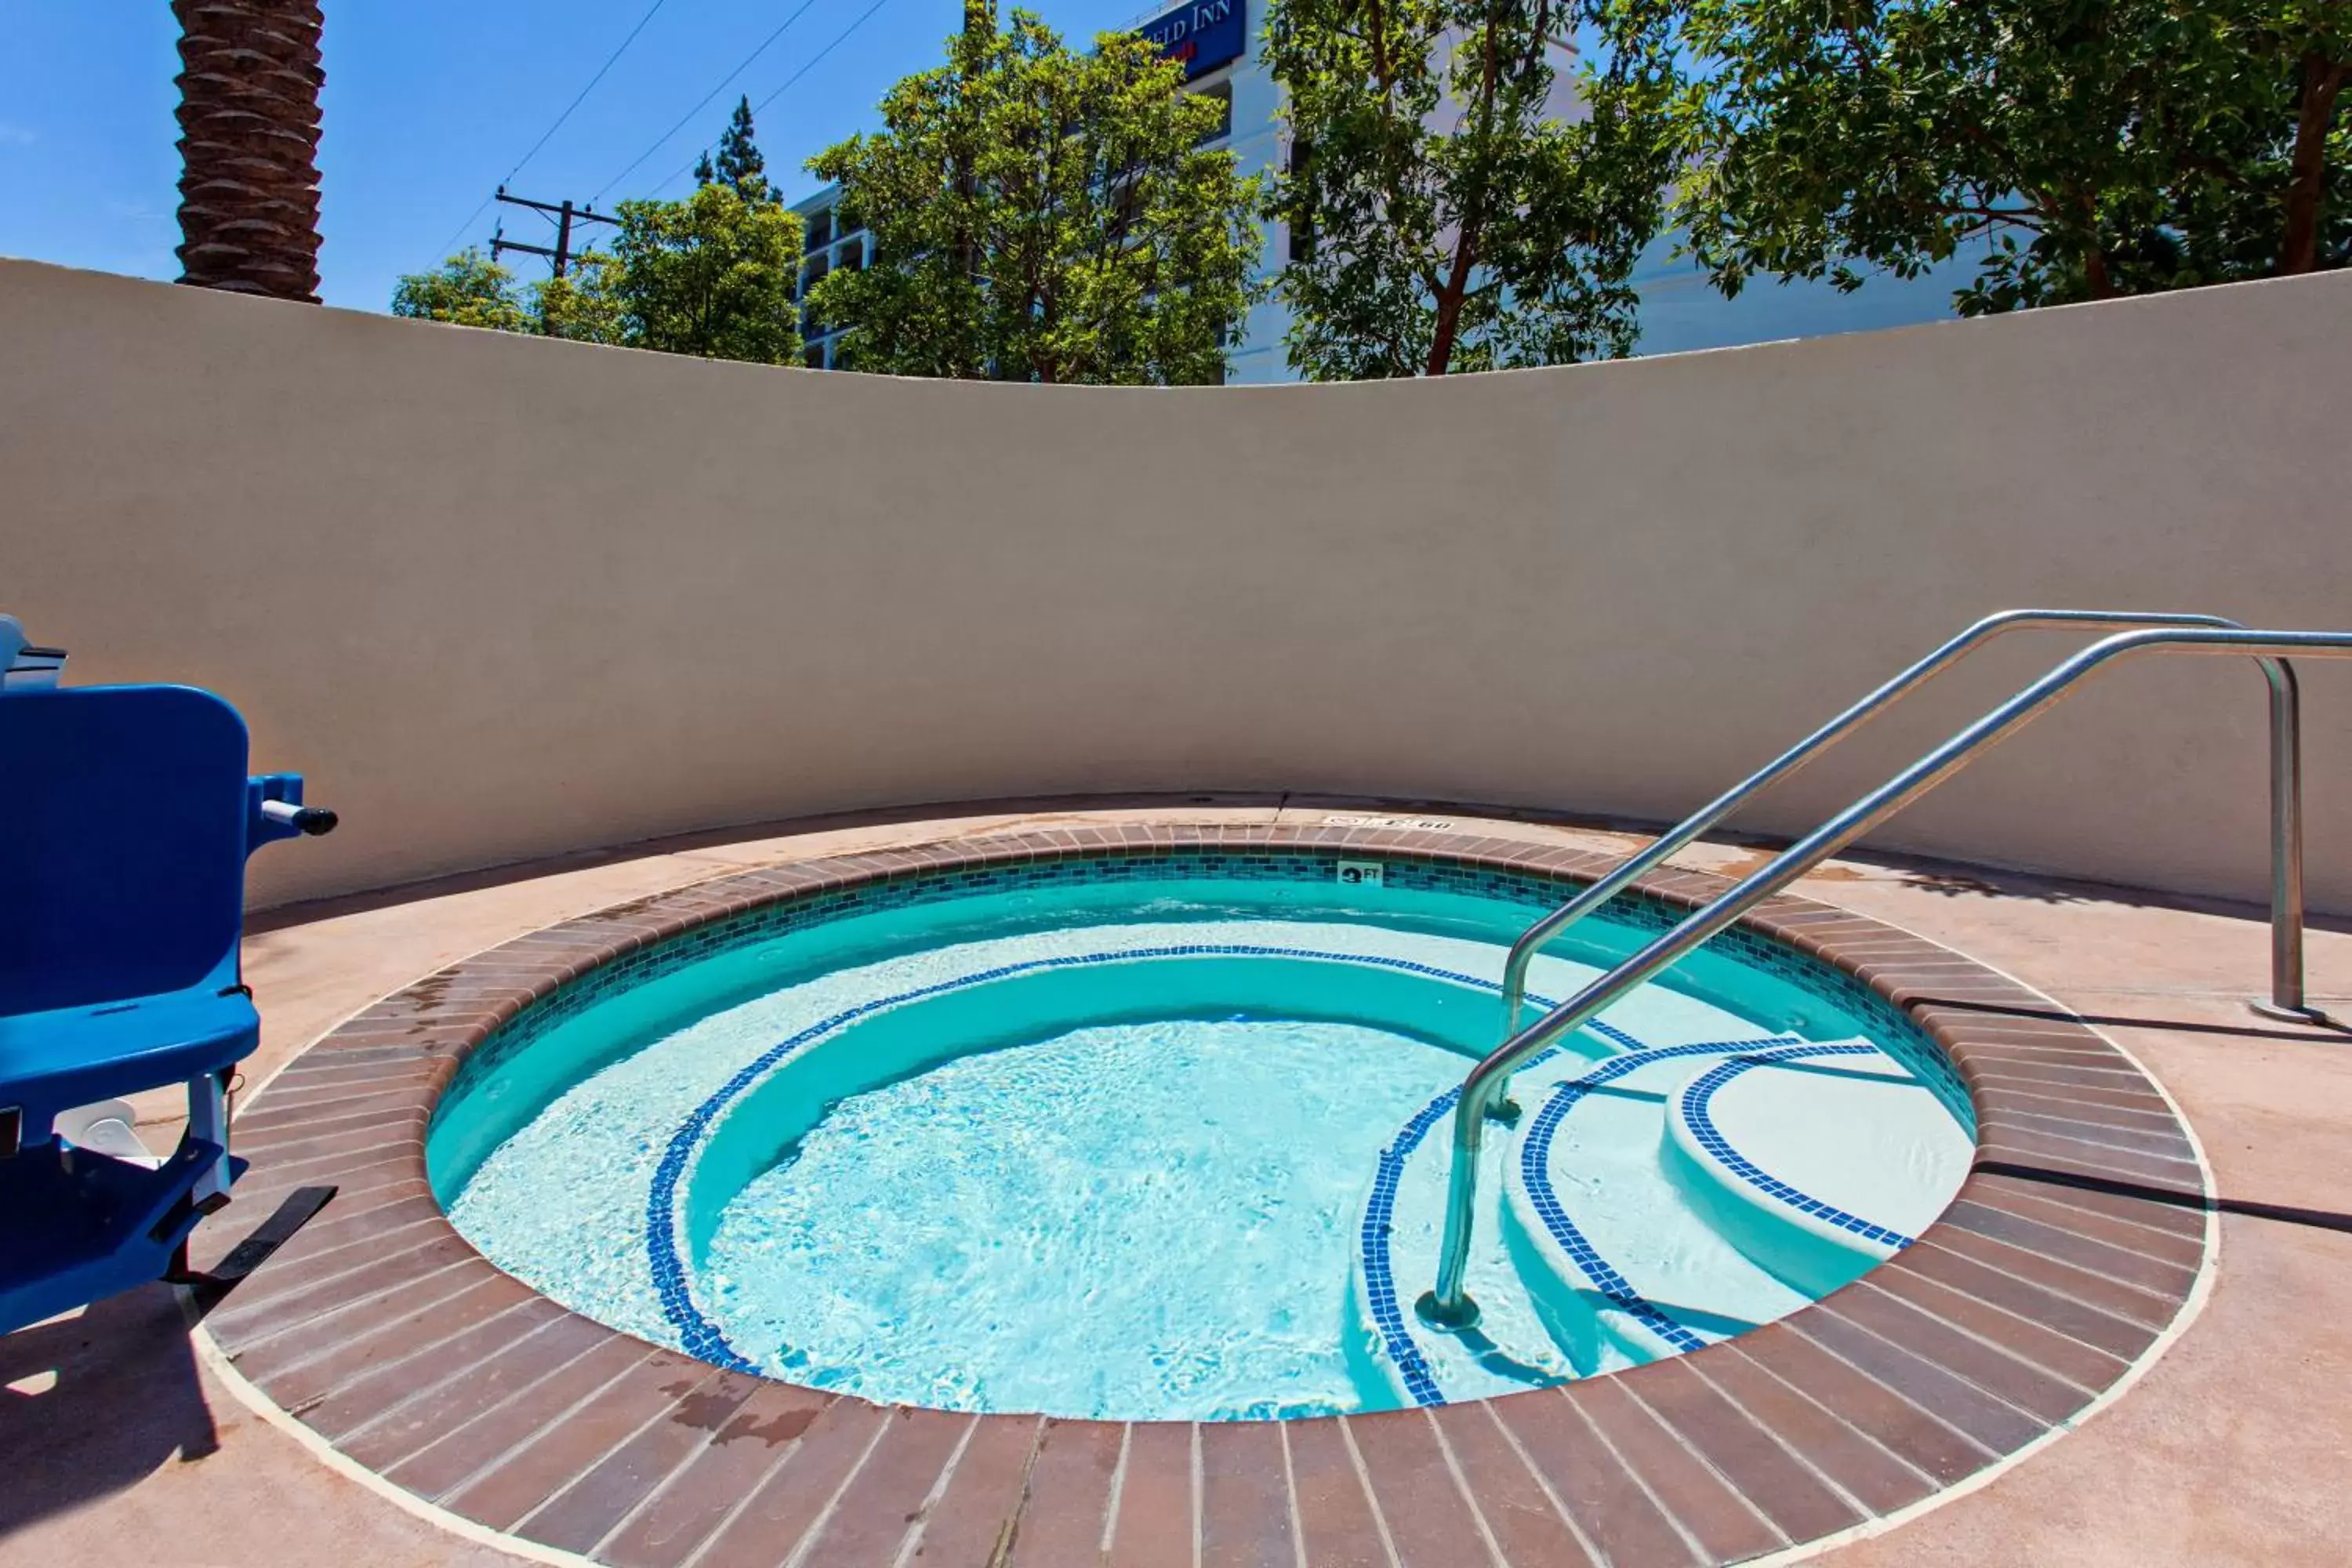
<point>249,82</point>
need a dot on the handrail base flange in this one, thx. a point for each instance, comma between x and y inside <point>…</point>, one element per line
<point>1437,1315</point>
<point>2310,1016</point>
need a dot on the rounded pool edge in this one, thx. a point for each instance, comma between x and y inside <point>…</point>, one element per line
<point>2076,1245</point>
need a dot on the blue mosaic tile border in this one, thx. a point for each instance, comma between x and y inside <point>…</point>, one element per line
<point>665,1255</point>
<point>1693,1109</point>
<point>1535,1155</point>
<point>1885,1023</point>
<point>1372,1244</point>
<point>1379,1216</point>
<point>1379,1212</point>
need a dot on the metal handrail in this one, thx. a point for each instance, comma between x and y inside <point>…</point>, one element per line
<point>1545,930</point>
<point>1449,1305</point>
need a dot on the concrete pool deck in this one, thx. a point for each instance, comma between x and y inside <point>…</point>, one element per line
<point>119,1438</point>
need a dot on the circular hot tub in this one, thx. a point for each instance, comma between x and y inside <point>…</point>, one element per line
<point>1160,1135</point>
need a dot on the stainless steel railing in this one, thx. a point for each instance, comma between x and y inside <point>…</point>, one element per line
<point>1555,924</point>
<point>1449,1306</point>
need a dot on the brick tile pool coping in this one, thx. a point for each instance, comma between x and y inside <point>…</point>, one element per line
<point>2078,1238</point>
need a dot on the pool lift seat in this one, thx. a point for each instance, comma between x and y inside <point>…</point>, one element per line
<point>126,816</point>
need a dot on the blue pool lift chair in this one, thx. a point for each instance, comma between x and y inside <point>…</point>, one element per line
<point>126,816</point>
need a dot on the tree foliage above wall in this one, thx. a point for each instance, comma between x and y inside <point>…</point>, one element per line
<point>710,276</point>
<point>739,161</point>
<point>1458,220</point>
<point>1043,214</point>
<point>1040,215</point>
<point>468,290</point>
<point>2082,149</point>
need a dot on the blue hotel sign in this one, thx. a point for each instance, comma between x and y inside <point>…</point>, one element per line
<point>1202,35</point>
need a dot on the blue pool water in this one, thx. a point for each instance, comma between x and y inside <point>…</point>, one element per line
<point>1164,1145</point>
<point>973,1200</point>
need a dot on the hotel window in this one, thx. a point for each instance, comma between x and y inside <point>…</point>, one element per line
<point>820,231</point>
<point>1223,94</point>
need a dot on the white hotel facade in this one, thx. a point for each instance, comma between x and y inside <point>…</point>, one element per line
<point>1222,45</point>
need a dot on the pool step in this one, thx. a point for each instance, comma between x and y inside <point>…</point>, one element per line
<point>1817,1162</point>
<point>1649,1203</point>
<point>1622,1267</point>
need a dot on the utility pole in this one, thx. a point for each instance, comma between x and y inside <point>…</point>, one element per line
<point>565,216</point>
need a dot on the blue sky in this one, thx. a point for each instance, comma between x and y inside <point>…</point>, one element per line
<point>429,103</point>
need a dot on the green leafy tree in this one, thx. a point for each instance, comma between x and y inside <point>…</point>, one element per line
<point>739,162</point>
<point>471,290</point>
<point>1449,211</point>
<point>1043,215</point>
<point>2084,148</point>
<point>468,290</point>
<point>710,276</point>
<point>583,305</point>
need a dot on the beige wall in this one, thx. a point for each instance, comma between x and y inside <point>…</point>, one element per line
<point>501,597</point>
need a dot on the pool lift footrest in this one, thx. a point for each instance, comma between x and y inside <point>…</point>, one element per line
<point>206,1288</point>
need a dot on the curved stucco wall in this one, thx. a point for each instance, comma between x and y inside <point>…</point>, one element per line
<point>501,597</point>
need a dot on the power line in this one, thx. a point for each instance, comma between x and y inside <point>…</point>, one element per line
<point>460,231</point>
<point>863,17</point>
<point>551,131</point>
<point>584,91</point>
<point>684,119</point>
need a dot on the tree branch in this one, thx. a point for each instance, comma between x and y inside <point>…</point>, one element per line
<point>2322,81</point>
